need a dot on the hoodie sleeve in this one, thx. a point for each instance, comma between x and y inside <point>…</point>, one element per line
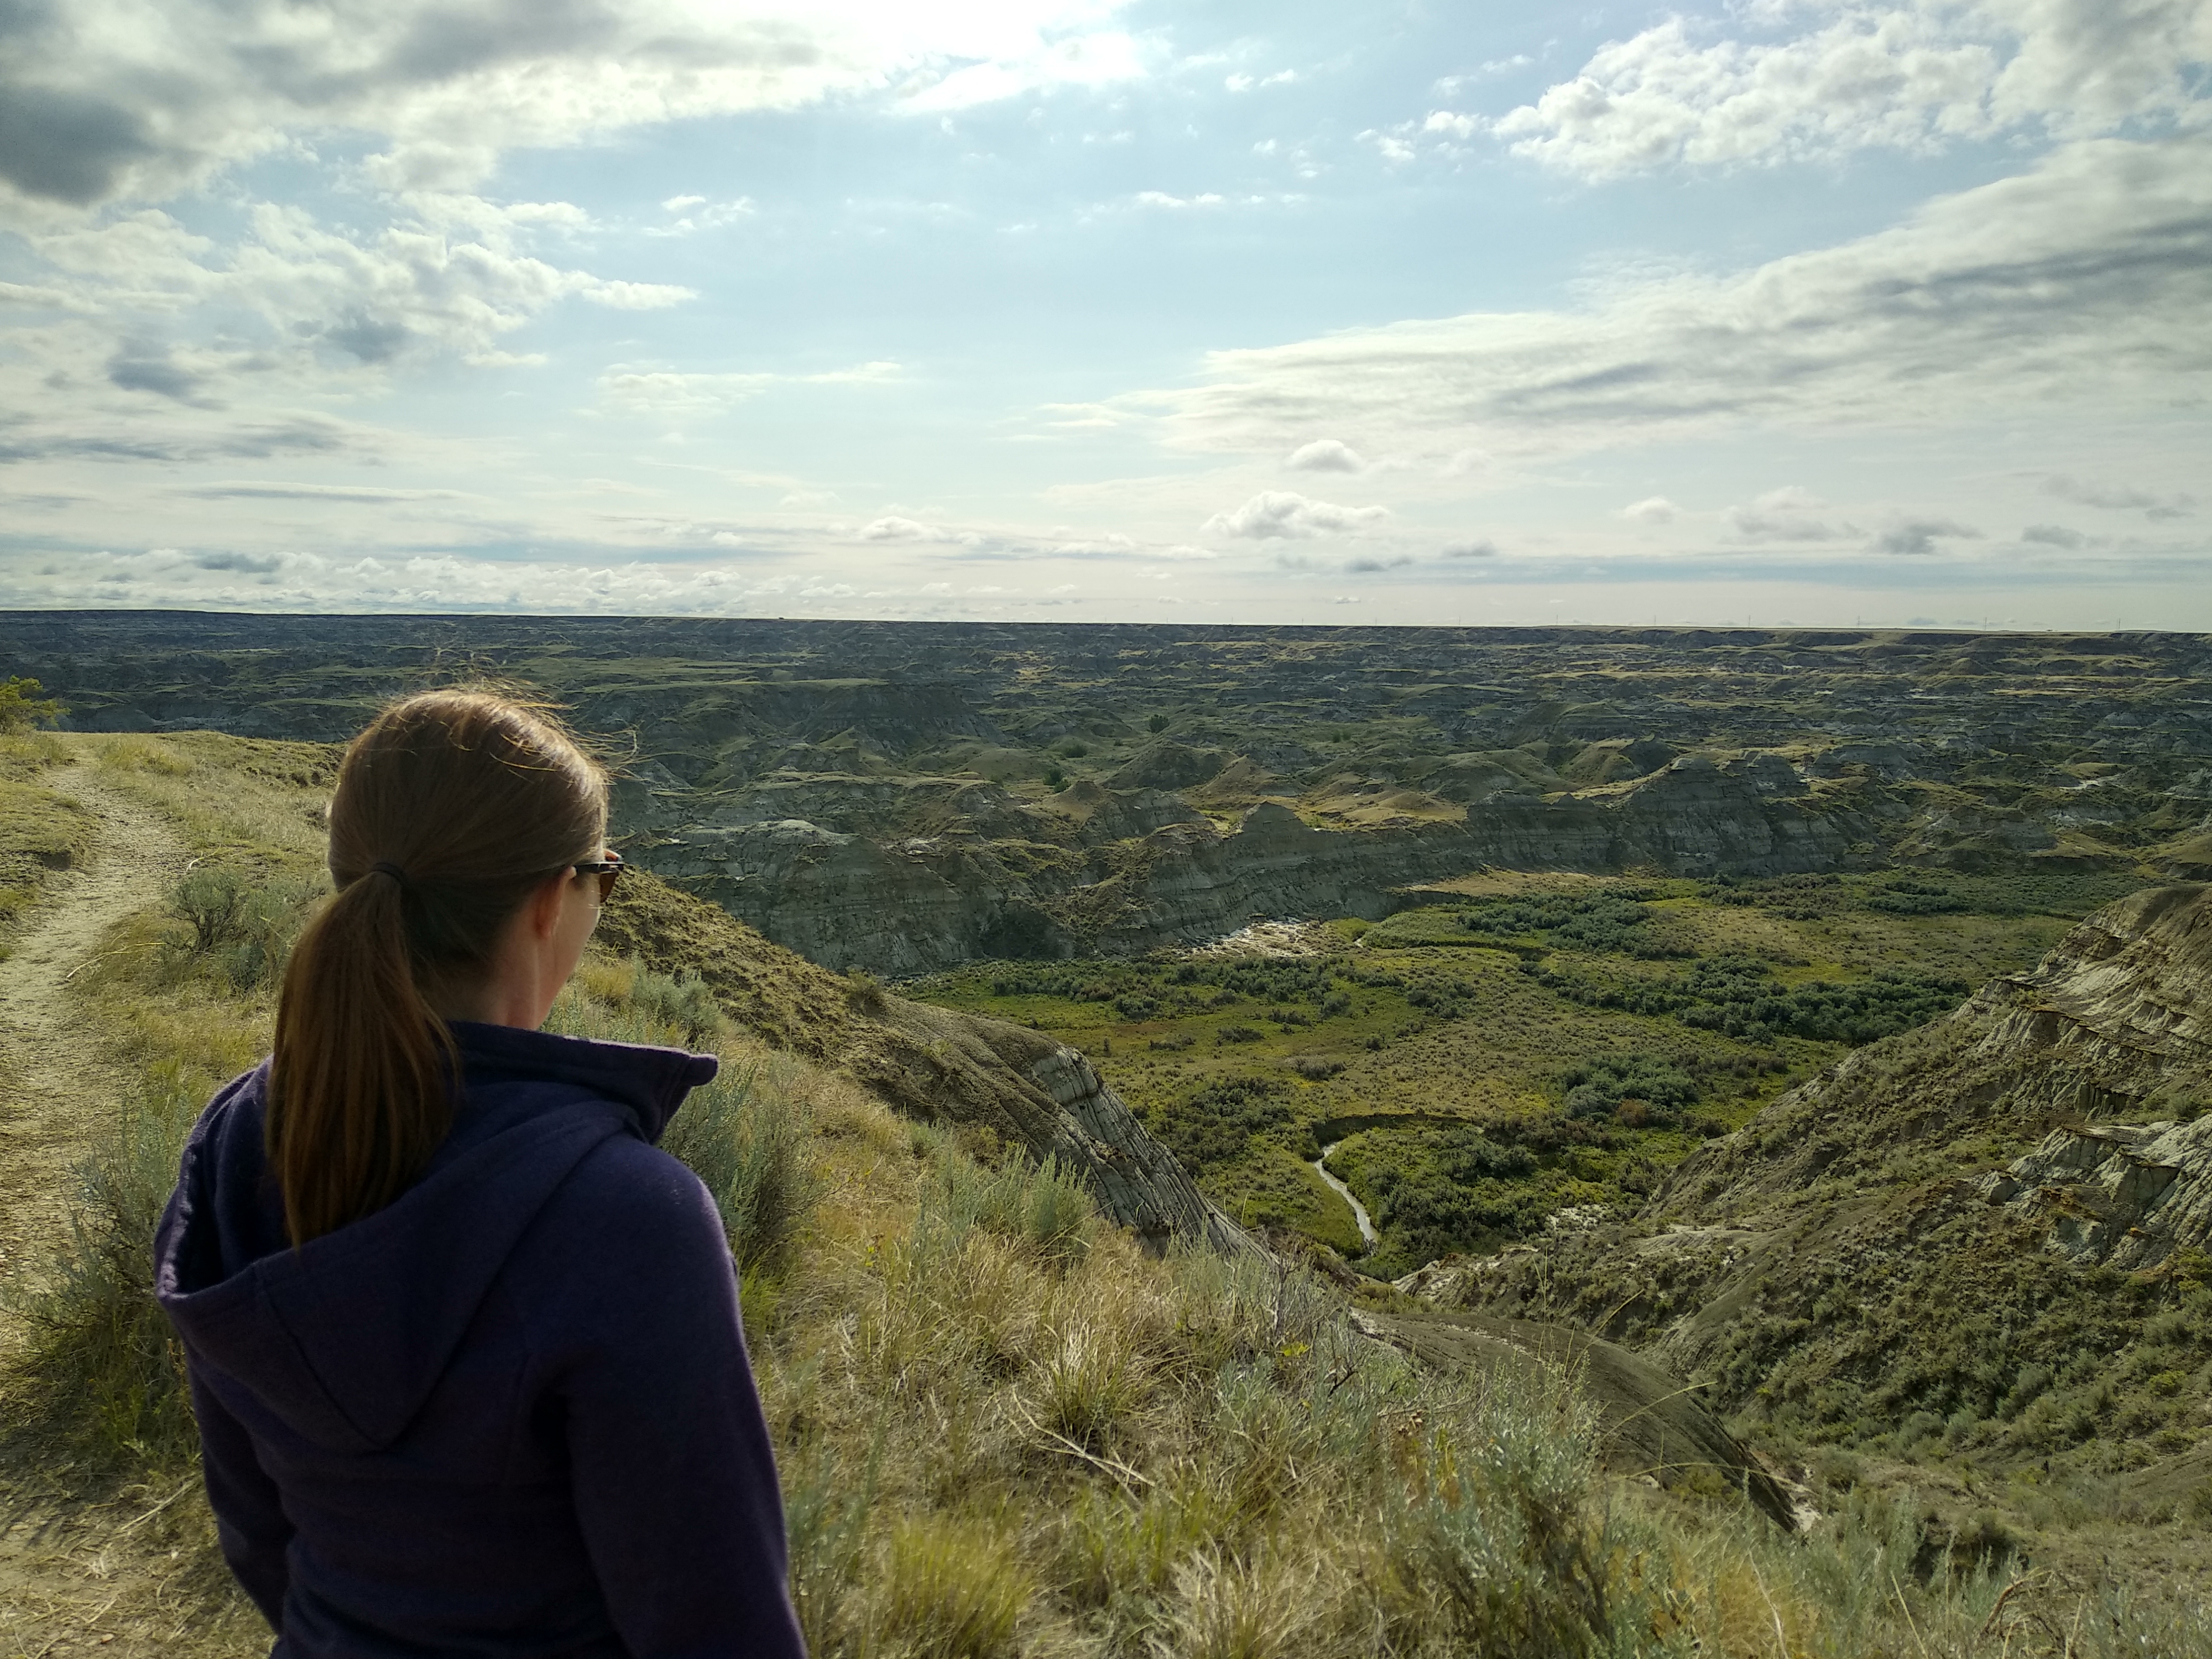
<point>672,1467</point>
<point>249,1520</point>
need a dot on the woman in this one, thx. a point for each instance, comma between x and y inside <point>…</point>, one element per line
<point>465,1347</point>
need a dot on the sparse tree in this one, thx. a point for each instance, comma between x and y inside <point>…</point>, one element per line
<point>21,707</point>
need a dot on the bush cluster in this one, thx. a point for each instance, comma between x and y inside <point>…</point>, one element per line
<point>1452,1188</point>
<point>1739,997</point>
<point>1639,1088</point>
<point>1215,1123</point>
<point>1616,922</point>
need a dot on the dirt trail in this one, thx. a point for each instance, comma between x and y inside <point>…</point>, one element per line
<point>112,1573</point>
<point>54,1081</point>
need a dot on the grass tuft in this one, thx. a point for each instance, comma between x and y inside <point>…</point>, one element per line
<point>953,1588</point>
<point>1088,1386</point>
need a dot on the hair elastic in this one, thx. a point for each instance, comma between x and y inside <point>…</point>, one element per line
<point>383,868</point>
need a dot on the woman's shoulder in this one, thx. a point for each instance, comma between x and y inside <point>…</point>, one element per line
<point>234,1112</point>
<point>627,1190</point>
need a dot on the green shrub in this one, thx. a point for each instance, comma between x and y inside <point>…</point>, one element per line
<point>1611,922</point>
<point>1739,997</point>
<point>1600,1088</point>
<point>21,707</point>
<point>1492,1547</point>
<point>239,923</point>
<point>1058,1214</point>
<point>105,1372</point>
<point>826,1507</point>
<point>865,993</point>
<point>1215,1123</point>
<point>1044,1206</point>
<point>683,1003</point>
<point>1449,1188</point>
<point>751,1144</point>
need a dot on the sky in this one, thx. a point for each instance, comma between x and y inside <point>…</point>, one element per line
<point>1760,312</point>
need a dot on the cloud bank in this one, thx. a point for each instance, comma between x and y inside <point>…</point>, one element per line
<point>2084,282</point>
<point>1911,77</point>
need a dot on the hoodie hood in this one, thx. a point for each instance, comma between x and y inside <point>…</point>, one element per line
<point>344,1338</point>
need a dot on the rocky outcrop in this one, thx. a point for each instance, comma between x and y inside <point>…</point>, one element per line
<point>1168,766</point>
<point>2126,1195</point>
<point>934,1064</point>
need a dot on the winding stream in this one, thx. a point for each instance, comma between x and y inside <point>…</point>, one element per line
<point>1320,1166</point>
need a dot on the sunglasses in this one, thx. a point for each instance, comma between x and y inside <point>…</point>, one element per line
<point>607,868</point>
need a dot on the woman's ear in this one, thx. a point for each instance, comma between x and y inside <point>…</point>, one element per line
<point>544,906</point>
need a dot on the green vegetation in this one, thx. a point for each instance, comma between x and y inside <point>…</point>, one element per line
<point>1742,996</point>
<point>101,1379</point>
<point>235,923</point>
<point>21,707</point>
<point>1601,1029</point>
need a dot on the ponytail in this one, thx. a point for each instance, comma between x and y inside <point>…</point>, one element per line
<point>364,1067</point>
<point>449,809</point>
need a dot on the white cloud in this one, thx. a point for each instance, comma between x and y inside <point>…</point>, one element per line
<point>1917,536</point>
<point>697,213</point>
<point>1325,455</point>
<point>141,98</point>
<point>169,330</point>
<point>108,104</point>
<point>668,393</point>
<point>2054,535</point>
<point>1453,124</point>
<point>294,580</point>
<point>1913,76</point>
<point>2084,282</point>
<point>892,527</point>
<point>1790,514</point>
<point>1281,513</point>
<point>2119,498</point>
<point>1160,198</point>
<point>1652,509</point>
<point>1027,59</point>
<point>362,495</point>
<point>1390,146</point>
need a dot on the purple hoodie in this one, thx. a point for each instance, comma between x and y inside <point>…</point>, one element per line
<point>510,1413</point>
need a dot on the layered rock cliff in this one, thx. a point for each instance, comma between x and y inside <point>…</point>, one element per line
<point>921,903</point>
